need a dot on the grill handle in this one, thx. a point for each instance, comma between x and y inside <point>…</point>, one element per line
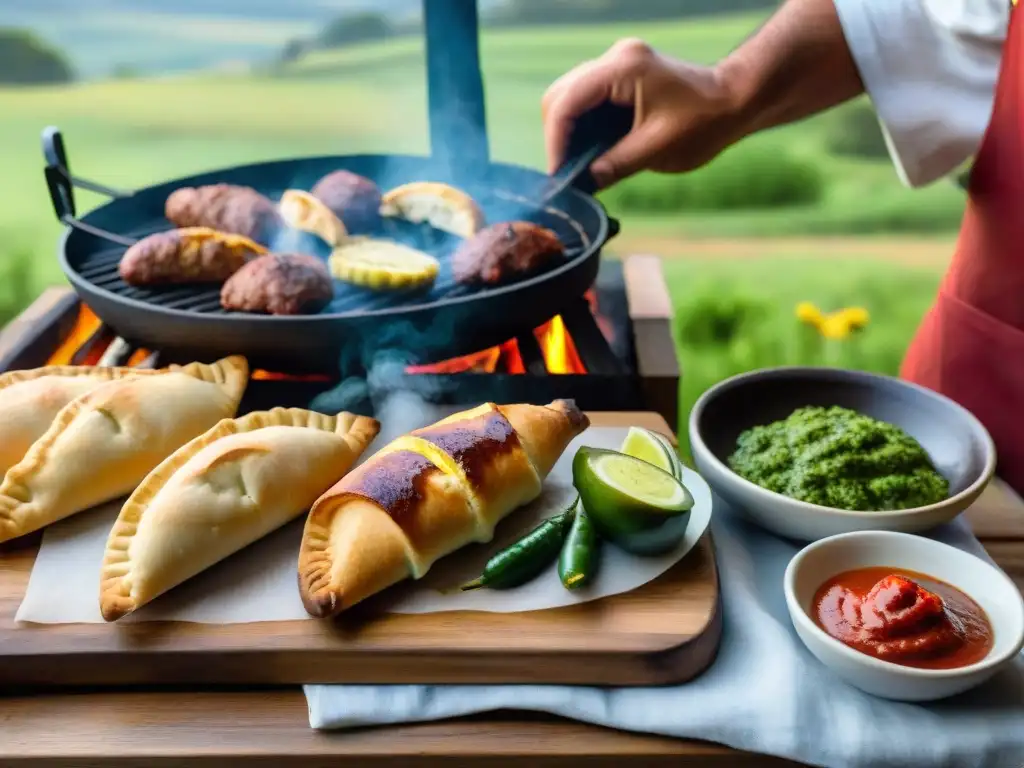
<point>59,180</point>
<point>61,184</point>
<point>594,133</point>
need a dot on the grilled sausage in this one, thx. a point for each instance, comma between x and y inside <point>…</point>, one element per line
<point>224,207</point>
<point>279,284</point>
<point>503,252</point>
<point>194,255</point>
<point>353,198</point>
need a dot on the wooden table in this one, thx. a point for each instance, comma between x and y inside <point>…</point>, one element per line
<point>270,727</point>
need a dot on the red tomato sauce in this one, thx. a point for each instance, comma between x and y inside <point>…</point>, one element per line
<point>904,617</point>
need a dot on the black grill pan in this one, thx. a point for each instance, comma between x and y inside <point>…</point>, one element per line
<point>445,321</point>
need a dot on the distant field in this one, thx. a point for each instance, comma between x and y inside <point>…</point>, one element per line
<point>373,98</point>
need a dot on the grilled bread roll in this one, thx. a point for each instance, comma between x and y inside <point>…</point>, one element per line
<point>425,495</point>
<point>305,211</point>
<point>224,207</point>
<point>191,255</point>
<point>440,205</point>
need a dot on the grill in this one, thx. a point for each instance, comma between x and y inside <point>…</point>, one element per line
<point>621,333</point>
<point>447,320</point>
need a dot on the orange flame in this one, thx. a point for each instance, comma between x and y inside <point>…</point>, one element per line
<point>559,351</point>
<point>86,324</point>
<point>556,345</point>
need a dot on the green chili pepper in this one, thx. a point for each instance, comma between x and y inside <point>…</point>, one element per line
<point>581,553</point>
<point>519,563</point>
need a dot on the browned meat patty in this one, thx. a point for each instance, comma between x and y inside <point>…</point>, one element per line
<point>353,198</point>
<point>224,207</point>
<point>505,251</point>
<point>194,255</point>
<point>279,284</point>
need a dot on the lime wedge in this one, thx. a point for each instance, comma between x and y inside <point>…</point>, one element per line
<point>643,483</point>
<point>629,499</point>
<point>644,444</point>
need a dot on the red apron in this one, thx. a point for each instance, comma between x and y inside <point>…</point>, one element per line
<point>970,346</point>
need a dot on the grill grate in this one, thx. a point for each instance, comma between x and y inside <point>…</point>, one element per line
<point>100,266</point>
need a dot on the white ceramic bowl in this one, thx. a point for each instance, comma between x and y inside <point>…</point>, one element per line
<point>957,442</point>
<point>986,585</point>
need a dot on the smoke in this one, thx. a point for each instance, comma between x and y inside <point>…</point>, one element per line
<point>374,380</point>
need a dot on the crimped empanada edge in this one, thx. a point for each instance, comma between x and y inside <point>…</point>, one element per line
<point>114,603</point>
<point>231,374</point>
<point>11,378</point>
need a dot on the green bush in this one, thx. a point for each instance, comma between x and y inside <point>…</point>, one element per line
<point>745,177</point>
<point>853,131</point>
<point>16,285</point>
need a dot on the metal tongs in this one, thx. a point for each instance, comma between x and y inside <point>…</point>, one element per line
<point>594,133</point>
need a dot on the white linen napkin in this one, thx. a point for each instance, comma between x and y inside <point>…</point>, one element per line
<point>764,693</point>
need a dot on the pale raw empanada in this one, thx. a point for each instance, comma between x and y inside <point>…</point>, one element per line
<point>30,400</point>
<point>102,444</point>
<point>224,490</point>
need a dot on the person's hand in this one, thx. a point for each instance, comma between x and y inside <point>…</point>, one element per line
<point>683,111</point>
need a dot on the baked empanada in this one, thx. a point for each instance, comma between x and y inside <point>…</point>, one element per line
<point>30,400</point>
<point>102,444</point>
<point>221,492</point>
<point>425,495</point>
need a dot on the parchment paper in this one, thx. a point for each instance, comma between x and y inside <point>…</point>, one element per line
<point>260,584</point>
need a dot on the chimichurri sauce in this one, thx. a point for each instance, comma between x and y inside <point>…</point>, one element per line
<point>838,458</point>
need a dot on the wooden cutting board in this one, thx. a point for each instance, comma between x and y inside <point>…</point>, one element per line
<point>666,631</point>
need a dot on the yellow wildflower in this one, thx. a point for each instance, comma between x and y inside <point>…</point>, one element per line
<point>834,326</point>
<point>809,314</point>
<point>856,317</point>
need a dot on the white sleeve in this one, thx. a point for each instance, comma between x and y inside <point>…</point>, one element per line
<point>930,68</point>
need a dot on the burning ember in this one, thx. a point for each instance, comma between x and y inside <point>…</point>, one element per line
<point>87,326</point>
<point>560,355</point>
<point>89,339</point>
<point>556,345</point>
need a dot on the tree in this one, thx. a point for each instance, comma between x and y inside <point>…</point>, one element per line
<point>355,28</point>
<point>293,50</point>
<point>27,60</point>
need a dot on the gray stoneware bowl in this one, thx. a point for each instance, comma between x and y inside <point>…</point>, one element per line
<point>960,447</point>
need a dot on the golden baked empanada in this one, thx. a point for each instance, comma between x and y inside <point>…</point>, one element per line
<point>102,444</point>
<point>425,495</point>
<point>221,492</point>
<point>30,400</point>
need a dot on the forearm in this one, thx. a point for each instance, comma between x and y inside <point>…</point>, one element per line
<point>796,65</point>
